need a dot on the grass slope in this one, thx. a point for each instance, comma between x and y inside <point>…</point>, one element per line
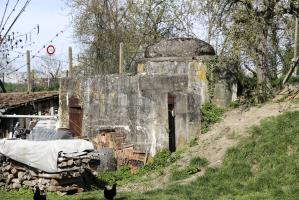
<point>265,166</point>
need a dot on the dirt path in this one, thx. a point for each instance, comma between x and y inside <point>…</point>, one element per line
<point>214,144</point>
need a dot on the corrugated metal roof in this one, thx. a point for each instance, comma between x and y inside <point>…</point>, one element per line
<point>10,100</point>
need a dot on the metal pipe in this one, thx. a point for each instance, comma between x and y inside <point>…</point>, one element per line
<point>29,116</point>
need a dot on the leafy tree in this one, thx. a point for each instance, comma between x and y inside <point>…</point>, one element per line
<point>256,35</point>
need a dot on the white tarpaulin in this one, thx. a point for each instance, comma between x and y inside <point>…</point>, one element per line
<point>42,154</point>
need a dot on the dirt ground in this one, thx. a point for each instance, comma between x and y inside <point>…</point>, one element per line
<point>214,144</point>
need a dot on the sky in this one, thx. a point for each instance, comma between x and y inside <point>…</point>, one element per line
<point>52,17</point>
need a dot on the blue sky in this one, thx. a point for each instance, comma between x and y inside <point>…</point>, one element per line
<point>52,16</point>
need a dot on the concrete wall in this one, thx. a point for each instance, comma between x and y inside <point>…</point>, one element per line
<point>224,93</point>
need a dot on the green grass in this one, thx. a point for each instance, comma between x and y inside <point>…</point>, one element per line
<point>264,166</point>
<point>123,175</point>
<point>195,165</point>
<point>15,87</point>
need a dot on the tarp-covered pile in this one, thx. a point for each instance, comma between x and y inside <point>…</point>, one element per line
<point>56,165</point>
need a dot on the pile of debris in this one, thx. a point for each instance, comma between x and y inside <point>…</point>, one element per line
<point>69,179</point>
<point>289,92</point>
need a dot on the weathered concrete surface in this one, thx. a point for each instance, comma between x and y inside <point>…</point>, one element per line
<point>224,93</point>
<point>137,106</point>
<point>179,47</point>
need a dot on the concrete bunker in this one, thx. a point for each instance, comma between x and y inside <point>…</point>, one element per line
<point>157,108</point>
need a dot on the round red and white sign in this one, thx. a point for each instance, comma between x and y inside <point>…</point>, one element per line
<point>50,49</point>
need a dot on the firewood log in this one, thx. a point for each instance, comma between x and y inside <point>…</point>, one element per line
<point>78,162</point>
<point>16,186</point>
<point>15,180</point>
<point>49,176</point>
<point>21,175</point>
<point>14,171</point>
<point>8,167</point>
<point>9,178</point>
<point>70,162</point>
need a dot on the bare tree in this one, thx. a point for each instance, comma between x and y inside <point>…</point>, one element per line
<point>50,67</point>
<point>101,25</point>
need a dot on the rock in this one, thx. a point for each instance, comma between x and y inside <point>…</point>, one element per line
<point>29,183</point>
<point>179,47</point>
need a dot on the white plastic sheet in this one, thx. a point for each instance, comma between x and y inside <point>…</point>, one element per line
<point>42,154</point>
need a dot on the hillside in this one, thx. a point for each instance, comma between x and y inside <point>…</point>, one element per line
<point>263,166</point>
<point>246,161</point>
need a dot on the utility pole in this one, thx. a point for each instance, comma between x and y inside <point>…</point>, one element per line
<point>29,89</point>
<point>121,58</point>
<point>70,62</point>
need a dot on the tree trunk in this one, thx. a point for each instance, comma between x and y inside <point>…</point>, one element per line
<point>264,89</point>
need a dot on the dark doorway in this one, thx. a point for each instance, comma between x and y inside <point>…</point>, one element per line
<point>171,122</point>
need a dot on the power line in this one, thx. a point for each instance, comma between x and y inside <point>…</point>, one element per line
<point>14,8</point>
<point>16,70</point>
<point>43,47</point>
<point>50,41</point>
<point>7,2</point>
<point>16,18</point>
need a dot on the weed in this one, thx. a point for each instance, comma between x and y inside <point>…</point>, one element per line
<point>123,175</point>
<point>210,115</point>
<point>195,165</point>
<point>234,104</point>
<point>177,174</point>
<point>193,142</point>
<point>295,101</point>
<point>198,162</point>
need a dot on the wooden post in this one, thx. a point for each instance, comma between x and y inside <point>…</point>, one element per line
<point>121,58</point>
<point>3,78</point>
<point>29,88</point>
<point>296,45</point>
<point>70,62</point>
